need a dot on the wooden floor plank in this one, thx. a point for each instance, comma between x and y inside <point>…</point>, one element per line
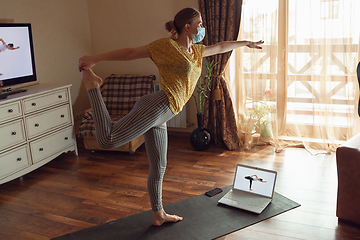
<point>10,233</point>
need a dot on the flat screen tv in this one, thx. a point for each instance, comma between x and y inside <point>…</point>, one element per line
<point>17,62</point>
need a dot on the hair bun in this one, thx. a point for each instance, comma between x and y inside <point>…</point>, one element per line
<point>170,26</point>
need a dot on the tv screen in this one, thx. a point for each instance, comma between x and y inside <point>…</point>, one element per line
<point>17,63</point>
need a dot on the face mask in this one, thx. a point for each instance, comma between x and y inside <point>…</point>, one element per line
<point>199,36</point>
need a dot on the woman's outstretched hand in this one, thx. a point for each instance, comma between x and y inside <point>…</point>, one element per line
<point>255,44</point>
<point>86,62</point>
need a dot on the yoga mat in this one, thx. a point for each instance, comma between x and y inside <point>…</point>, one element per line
<point>204,219</point>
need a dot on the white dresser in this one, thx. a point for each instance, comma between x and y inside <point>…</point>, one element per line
<point>36,126</point>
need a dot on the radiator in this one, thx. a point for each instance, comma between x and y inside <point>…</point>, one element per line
<point>180,120</point>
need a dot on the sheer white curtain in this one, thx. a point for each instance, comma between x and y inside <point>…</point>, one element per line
<point>306,71</point>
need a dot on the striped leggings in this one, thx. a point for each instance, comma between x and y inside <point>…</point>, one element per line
<point>148,116</point>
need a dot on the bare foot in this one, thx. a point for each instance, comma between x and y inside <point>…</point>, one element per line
<point>161,217</point>
<point>90,79</point>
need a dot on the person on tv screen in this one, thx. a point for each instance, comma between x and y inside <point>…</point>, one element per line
<point>5,46</point>
<point>179,60</point>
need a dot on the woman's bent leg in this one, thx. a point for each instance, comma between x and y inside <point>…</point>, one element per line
<point>150,110</point>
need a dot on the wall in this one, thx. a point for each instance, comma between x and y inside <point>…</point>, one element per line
<point>118,24</point>
<point>61,34</point>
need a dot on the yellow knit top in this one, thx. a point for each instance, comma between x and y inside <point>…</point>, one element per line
<point>179,70</point>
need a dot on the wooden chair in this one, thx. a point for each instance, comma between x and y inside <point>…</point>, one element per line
<point>120,92</point>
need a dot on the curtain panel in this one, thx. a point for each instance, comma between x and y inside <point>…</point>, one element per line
<point>221,19</point>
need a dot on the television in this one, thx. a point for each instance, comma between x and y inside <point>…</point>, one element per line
<point>17,61</point>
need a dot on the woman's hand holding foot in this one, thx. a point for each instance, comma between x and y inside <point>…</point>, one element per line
<point>86,62</point>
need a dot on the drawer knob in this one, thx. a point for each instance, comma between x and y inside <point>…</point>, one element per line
<point>41,149</point>
<point>10,110</point>
<point>60,96</point>
<point>19,159</point>
<point>62,115</point>
<point>33,104</point>
<point>13,133</point>
<point>66,138</point>
<point>36,124</point>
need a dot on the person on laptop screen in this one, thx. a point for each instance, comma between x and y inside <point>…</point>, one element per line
<point>251,178</point>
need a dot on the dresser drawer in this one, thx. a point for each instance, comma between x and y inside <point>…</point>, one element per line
<point>50,145</point>
<point>46,100</point>
<point>10,110</point>
<point>48,120</point>
<point>14,161</point>
<point>11,134</point>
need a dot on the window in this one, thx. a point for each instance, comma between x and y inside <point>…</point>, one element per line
<point>308,61</point>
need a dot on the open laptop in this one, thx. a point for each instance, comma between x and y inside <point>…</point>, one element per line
<point>252,190</point>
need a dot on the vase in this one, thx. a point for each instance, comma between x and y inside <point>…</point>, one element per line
<point>248,129</point>
<point>200,138</point>
<point>248,141</point>
<point>265,130</point>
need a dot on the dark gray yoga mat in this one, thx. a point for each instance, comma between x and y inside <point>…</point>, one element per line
<point>204,219</point>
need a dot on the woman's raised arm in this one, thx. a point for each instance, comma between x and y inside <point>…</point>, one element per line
<point>227,46</point>
<point>125,54</point>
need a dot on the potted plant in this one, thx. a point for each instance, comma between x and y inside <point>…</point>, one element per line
<point>202,89</point>
<point>261,113</point>
<point>200,138</point>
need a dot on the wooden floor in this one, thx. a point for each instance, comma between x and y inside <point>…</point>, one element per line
<point>72,193</point>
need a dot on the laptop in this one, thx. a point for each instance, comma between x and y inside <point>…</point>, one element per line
<point>252,190</point>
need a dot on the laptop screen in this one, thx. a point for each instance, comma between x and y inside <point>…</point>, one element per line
<point>254,180</point>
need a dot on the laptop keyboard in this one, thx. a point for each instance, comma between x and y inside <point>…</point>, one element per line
<point>250,200</point>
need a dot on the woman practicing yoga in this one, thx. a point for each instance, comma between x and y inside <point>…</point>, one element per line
<point>5,46</point>
<point>179,61</point>
<point>254,178</point>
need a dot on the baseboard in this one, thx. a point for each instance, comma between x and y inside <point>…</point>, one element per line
<point>349,223</point>
<point>179,134</point>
